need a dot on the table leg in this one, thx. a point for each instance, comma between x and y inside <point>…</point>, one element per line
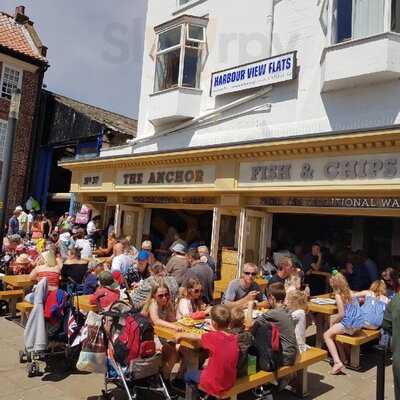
<point>322,325</point>
<point>192,362</point>
<point>355,357</point>
<point>302,383</point>
<point>12,304</point>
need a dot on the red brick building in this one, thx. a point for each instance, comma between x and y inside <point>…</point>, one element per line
<point>22,65</point>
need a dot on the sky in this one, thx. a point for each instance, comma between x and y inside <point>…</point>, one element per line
<point>95,48</point>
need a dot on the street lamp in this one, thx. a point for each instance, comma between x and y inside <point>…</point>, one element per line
<point>7,156</point>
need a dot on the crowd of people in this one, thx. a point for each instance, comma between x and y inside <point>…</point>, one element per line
<point>183,287</point>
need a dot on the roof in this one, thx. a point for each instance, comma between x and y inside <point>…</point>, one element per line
<point>115,122</point>
<point>20,37</point>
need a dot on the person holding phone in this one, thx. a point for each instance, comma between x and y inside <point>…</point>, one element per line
<point>241,291</point>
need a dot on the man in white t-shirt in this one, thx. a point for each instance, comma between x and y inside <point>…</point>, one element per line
<point>83,244</point>
<point>121,262</point>
<point>92,230</point>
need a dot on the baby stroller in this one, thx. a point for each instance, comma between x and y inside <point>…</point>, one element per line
<point>49,337</point>
<point>133,364</point>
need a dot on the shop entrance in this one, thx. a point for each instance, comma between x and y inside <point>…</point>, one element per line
<point>194,227</point>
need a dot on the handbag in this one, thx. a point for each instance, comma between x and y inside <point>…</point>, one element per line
<point>92,357</point>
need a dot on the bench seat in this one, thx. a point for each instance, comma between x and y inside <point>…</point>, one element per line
<point>11,294</point>
<point>355,342</point>
<point>24,308</point>
<point>309,357</point>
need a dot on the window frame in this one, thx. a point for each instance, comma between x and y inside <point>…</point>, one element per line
<point>184,43</point>
<point>332,23</point>
<point>19,84</point>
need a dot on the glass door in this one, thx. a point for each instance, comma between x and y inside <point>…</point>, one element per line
<point>255,233</point>
<point>129,222</point>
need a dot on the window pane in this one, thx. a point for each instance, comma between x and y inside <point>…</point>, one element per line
<point>368,16</point>
<point>344,17</point>
<point>167,70</point>
<point>9,82</point>
<point>169,38</point>
<point>183,2</point>
<point>395,16</point>
<point>196,32</point>
<point>191,68</point>
<point>3,133</point>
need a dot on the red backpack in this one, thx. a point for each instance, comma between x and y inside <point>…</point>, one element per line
<point>134,340</point>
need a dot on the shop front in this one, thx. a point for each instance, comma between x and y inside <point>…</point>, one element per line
<point>246,198</point>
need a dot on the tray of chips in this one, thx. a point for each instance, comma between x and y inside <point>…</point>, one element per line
<point>189,322</point>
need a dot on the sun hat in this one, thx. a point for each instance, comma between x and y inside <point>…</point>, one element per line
<point>23,259</point>
<point>143,255</point>
<point>107,280</point>
<point>179,248</point>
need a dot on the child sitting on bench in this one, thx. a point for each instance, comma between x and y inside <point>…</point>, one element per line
<point>219,375</point>
<point>348,320</point>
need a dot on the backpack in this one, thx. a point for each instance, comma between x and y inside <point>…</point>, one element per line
<point>245,342</point>
<point>135,339</point>
<point>267,344</point>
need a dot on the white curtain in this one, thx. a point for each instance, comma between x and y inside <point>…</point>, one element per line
<point>368,17</point>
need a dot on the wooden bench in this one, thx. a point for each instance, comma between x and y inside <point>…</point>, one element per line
<point>310,357</point>
<point>12,296</point>
<point>355,342</point>
<point>24,308</point>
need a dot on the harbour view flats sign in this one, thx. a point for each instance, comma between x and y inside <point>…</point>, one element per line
<point>204,175</point>
<point>329,202</point>
<point>260,73</point>
<point>340,170</point>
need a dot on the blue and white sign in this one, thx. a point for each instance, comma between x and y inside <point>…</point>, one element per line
<point>261,73</point>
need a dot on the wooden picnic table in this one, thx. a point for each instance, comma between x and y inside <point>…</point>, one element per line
<point>18,282</point>
<point>193,355</point>
<point>82,302</point>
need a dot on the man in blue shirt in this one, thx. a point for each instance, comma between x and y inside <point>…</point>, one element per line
<point>13,224</point>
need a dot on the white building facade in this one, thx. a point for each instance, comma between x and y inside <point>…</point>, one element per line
<point>250,110</point>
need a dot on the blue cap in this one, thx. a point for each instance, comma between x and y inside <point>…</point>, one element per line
<point>143,255</point>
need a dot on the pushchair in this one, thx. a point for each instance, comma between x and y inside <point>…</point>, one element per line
<point>63,338</point>
<point>133,365</point>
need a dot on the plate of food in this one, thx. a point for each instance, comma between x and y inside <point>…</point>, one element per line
<point>323,301</point>
<point>189,322</point>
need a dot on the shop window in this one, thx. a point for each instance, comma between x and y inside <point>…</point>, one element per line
<point>357,19</point>
<point>3,134</point>
<point>10,80</point>
<point>179,53</point>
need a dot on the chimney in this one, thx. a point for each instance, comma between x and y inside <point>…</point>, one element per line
<point>20,16</point>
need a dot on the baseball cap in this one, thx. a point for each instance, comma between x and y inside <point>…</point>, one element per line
<point>179,248</point>
<point>107,280</point>
<point>143,255</point>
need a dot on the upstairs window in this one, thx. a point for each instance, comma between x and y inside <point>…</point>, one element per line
<point>10,80</point>
<point>357,19</point>
<point>179,54</point>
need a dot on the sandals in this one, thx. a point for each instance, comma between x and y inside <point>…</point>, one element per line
<point>337,369</point>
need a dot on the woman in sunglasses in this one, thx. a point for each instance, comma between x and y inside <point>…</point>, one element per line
<point>160,310</point>
<point>190,301</point>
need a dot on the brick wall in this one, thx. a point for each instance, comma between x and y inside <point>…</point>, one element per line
<point>23,139</point>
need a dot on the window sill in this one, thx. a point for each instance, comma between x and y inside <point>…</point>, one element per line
<point>181,89</point>
<point>361,62</point>
<point>187,6</point>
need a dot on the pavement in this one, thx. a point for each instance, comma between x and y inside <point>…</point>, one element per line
<point>62,385</point>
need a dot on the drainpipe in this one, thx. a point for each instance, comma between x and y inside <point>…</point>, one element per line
<point>270,26</point>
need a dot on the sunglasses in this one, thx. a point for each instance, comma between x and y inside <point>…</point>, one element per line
<point>163,296</point>
<point>196,291</point>
<point>250,273</point>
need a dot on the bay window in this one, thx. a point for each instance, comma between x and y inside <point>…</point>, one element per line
<point>179,55</point>
<point>358,19</point>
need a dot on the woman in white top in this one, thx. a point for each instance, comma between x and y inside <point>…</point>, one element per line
<point>190,299</point>
<point>297,306</point>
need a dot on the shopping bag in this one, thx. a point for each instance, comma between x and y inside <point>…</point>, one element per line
<point>93,354</point>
